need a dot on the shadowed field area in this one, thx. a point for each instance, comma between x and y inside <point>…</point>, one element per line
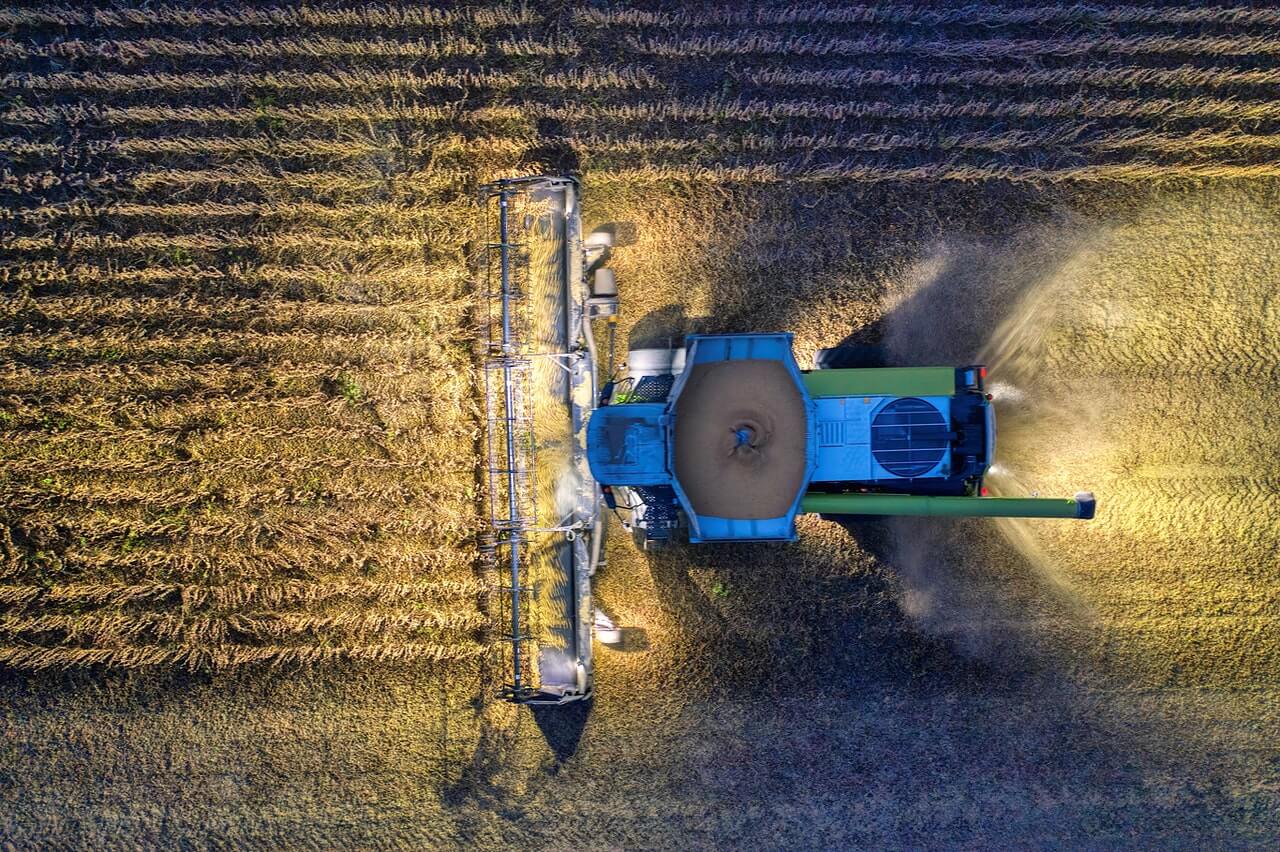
<point>240,424</point>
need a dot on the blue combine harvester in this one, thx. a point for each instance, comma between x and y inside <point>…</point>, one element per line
<point>727,439</point>
<point>721,439</point>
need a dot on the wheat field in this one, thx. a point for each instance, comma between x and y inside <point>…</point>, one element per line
<point>241,432</point>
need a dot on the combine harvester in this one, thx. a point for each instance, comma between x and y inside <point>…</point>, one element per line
<point>723,439</point>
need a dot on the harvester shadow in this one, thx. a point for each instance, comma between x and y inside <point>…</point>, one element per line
<point>662,327</point>
<point>480,781</point>
<point>765,620</point>
<point>562,728</point>
<point>681,597</point>
<point>864,602</point>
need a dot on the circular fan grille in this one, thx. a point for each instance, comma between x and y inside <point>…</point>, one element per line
<point>909,437</point>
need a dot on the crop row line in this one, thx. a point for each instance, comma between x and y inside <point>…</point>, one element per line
<point>853,171</point>
<point>163,114</point>
<point>216,435</point>
<point>340,528</point>
<point>94,315</point>
<point>107,412</point>
<point>170,15</point>
<point>208,485</point>
<point>310,47</point>
<point>431,180</point>
<point>1077,135</point>
<point>56,429</point>
<point>280,372</point>
<point>755,43</point>
<point>385,383</point>
<point>179,467</point>
<point>115,627</point>
<point>281,625</point>
<point>743,43</point>
<point>435,180</point>
<point>355,283</point>
<point>1065,137</point>
<point>226,241</point>
<point>1078,107</point>
<point>926,15</point>
<point>266,594</point>
<point>244,311</point>
<point>1183,76</point>
<point>248,564</point>
<point>228,656</point>
<point>381,383</point>
<point>264,146</point>
<point>702,109</point>
<point>1247,494</point>
<point>1212,355</point>
<point>640,77</point>
<point>628,77</point>
<point>233,391</point>
<point>398,216</point>
<point>1062,137</point>
<point>34,342</point>
<point>201,494</point>
<point>206,629</point>
<point>381,16</point>
<point>162,416</point>
<point>177,499</point>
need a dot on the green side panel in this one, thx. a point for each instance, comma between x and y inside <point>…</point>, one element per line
<point>881,381</point>
<point>946,507</point>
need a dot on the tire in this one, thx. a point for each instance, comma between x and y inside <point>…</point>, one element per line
<point>853,356</point>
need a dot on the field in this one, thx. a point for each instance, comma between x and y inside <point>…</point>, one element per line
<point>241,598</point>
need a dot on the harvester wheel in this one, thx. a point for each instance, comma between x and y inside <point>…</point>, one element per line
<point>852,356</point>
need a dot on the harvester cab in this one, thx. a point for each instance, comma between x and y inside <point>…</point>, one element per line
<point>722,438</point>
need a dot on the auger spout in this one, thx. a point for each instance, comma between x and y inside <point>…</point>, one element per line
<point>1081,507</point>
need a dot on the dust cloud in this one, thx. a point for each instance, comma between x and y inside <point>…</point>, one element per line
<point>1136,358</point>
